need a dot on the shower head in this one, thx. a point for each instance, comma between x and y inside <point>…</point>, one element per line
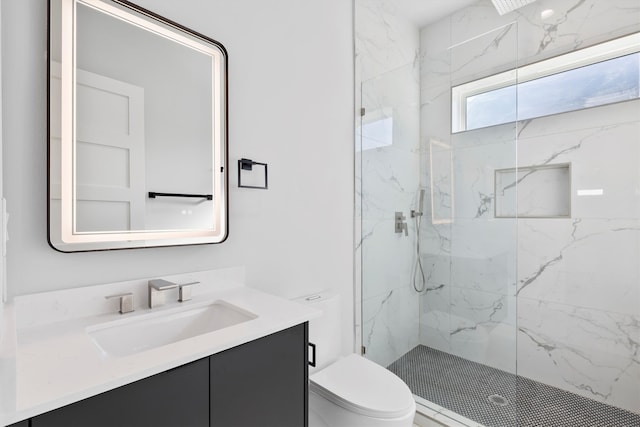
<point>421,204</point>
<point>506,6</point>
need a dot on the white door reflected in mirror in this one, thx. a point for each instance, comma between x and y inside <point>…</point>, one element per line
<point>137,140</point>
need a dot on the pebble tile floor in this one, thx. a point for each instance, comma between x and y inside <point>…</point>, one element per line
<point>464,387</point>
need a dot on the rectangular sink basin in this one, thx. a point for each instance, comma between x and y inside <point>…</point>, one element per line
<point>123,338</point>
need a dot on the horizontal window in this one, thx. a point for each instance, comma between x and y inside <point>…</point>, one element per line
<point>377,129</point>
<point>598,75</point>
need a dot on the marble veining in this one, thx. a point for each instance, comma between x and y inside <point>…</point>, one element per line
<point>529,280</point>
<point>592,353</point>
<point>487,44</point>
<point>494,309</point>
<point>372,320</point>
<point>551,30</point>
<point>486,201</point>
<point>432,288</point>
<point>568,287</point>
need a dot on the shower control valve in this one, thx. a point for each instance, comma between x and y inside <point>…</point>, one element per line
<point>401,224</point>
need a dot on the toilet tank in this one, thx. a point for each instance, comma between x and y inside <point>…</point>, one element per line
<point>324,331</point>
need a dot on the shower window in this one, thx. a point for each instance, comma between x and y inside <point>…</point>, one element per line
<point>378,132</point>
<point>598,75</point>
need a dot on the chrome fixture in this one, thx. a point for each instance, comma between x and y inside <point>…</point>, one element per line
<point>126,302</point>
<point>417,213</point>
<point>156,291</point>
<point>184,291</point>
<point>158,286</point>
<point>401,224</point>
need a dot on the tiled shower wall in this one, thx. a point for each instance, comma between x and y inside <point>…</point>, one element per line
<point>561,296</point>
<point>387,177</point>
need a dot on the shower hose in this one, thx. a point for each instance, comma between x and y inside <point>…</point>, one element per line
<point>417,216</point>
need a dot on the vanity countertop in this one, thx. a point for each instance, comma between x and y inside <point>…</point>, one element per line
<point>48,360</point>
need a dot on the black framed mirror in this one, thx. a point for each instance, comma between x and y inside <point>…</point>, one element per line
<point>137,130</point>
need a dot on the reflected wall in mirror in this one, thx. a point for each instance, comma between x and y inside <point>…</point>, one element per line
<point>137,129</point>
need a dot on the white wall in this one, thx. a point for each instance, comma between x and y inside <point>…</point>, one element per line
<point>290,105</point>
<point>2,258</point>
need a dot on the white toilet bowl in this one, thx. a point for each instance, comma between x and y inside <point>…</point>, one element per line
<point>350,391</point>
<point>355,392</point>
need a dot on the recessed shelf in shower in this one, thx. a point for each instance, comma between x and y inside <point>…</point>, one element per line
<point>541,191</point>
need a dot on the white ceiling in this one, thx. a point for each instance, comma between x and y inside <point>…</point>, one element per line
<point>424,12</point>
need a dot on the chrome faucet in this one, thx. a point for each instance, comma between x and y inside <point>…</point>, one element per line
<point>156,291</point>
<point>158,286</point>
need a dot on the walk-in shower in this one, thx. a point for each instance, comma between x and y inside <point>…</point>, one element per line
<point>523,130</point>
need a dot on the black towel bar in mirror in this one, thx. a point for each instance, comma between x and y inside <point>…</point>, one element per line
<point>153,195</point>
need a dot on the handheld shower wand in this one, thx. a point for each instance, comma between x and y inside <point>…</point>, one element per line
<point>420,204</point>
<point>417,216</point>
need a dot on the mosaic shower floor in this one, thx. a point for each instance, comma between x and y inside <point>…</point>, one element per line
<point>465,387</point>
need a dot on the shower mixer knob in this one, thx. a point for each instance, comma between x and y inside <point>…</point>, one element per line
<point>400,224</point>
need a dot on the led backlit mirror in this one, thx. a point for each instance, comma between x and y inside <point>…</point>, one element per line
<point>137,129</point>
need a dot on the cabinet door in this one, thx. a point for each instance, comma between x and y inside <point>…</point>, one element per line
<point>262,383</point>
<point>179,397</point>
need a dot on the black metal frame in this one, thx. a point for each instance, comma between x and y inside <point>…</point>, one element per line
<point>224,170</point>
<point>247,164</point>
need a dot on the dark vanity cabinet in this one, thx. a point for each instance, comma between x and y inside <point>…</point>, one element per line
<point>260,383</point>
<point>178,397</point>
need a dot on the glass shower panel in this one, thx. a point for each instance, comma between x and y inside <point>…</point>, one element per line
<point>389,173</point>
<point>578,278</point>
<point>468,310</point>
<point>523,306</point>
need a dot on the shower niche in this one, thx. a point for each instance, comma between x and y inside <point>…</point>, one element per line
<point>533,192</point>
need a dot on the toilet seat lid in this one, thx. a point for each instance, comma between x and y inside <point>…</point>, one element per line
<point>363,387</point>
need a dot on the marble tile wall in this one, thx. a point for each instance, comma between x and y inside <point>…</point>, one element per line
<point>559,295</point>
<point>578,278</point>
<point>387,178</point>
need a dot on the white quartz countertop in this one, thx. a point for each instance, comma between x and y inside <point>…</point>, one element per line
<point>48,360</point>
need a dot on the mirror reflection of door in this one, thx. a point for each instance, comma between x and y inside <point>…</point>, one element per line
<point>110,154</point>
<point>110,142</point>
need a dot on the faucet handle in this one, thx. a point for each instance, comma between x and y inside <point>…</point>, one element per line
<point>184,291</point>
<point>126,302</point>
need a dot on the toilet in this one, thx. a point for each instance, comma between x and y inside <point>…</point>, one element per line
<point>350,391</point>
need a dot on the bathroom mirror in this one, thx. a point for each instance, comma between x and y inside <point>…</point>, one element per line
<point>137,129</point>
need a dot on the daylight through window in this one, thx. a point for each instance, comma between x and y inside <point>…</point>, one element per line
<point>598,75</point>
